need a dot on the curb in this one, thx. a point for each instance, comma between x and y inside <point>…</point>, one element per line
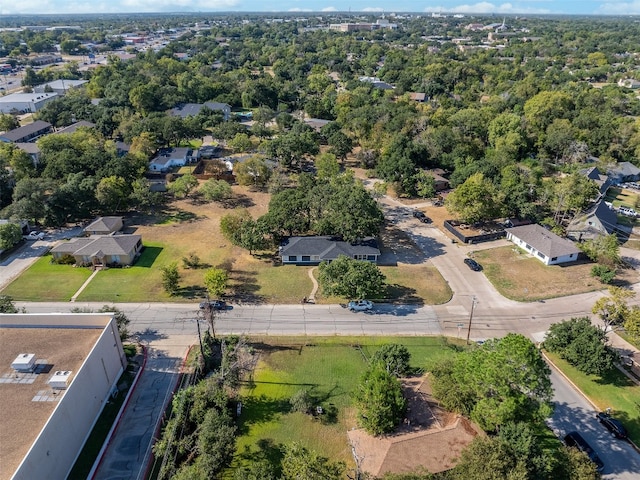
<point>116,423</point>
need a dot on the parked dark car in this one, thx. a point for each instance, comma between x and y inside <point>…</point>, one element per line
<point>574,439</point>
<point>612,424</point>
<point>214,305</point>
<point>421,216</point>
<point>472,264</point>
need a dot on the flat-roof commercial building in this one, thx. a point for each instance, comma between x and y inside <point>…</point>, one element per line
<point>57,372</point>
<point>25,102</point>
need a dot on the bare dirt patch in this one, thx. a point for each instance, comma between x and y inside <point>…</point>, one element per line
<point>439,437</point>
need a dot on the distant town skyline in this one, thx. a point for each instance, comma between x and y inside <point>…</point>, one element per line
<point>572,7</point>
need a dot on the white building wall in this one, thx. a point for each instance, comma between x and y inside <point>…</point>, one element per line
<point>58,445</point>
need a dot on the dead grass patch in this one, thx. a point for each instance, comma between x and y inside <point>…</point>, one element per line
<point>519,276</point>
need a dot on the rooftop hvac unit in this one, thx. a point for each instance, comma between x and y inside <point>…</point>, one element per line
<point>24,362</point>
<point>60,379</point>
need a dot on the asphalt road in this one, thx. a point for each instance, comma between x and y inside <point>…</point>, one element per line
<point>573,412</point>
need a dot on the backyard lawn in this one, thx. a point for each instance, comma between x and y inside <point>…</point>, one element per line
<point>612,390</point>
<point>519,276</point>
<point>329,368</point>
<point>45,281</point>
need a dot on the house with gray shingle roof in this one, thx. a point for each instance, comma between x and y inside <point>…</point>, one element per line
<point>104,226</point>
<point>315,249</point>
<point>602,180</point>
<point>543,244</point>
<point>28,133</point>
<point>624,172</point>
<point>102,250</point>
<point>597,221</point>
<point>193,109</point>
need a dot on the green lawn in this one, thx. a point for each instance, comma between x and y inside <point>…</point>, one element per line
<point>329,368</point>
<point>46,281</point>
<point>140,283</point>
<point>613,390</point>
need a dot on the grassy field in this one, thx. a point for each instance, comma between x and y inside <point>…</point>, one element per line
<point>329,368</point>
<point>518,276</point>
<point>191,226</point>
<point>45,281</point>
<point>613,390</point>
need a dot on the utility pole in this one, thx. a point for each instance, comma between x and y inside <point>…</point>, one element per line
<point>473,304</point>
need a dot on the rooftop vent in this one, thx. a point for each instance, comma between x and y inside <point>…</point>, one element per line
<point>24,362</point>
<point>60,379</point>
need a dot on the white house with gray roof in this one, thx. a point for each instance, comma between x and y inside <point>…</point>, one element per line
<point>543,244</point>
<point>315,249</point>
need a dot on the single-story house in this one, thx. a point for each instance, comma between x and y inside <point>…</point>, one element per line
<point>596,221</point>
<point>545,245</point>
<point>440,183</point>
<point>59,86</point>
<point>75,126</point>
<point>418,96</point>
<point>32,150</point>
<point>193,109</point>
<point>629,83</point>
<point>600,178</point>
<point>316,123</point>
<point>170,157</point>
<point>104,226</point>
<point>624,172</point>
<point>28,133</point>
<point>315,249</point>
<point>103,250</point>
<point>25,102</point>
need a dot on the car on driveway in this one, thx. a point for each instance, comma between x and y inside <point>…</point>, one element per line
<point>360,305</point>
<point>574,439</point>
<point>214,305</point>
<point>35,236</point>
<point>472,264</point>
<point>613,425</point>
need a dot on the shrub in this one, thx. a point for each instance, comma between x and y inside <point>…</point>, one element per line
<point>65,259</point>
<point>603,273</point>
<point>301,401</point>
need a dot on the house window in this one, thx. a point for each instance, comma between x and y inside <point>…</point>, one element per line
<point>371,258</point>
<point>115,258</point>
<point>527,246</point>
<point>541,255</point>
<point>315,258</point>
<point>306,258</point>
<point>554,259</point>
<point>571,255</point>
<point>360,257</point>
<point>293,258</point>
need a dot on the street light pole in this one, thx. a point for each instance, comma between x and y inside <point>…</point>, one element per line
<point>473,304</point>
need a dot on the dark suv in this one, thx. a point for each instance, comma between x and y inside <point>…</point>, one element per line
<point>421,216</point>
<point>613,425</point>
<point>472,264</point>
<point>574,439</point>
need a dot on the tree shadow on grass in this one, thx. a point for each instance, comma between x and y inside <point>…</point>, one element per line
<point>262,409</point>
<point>267,451</point>
<point>192,291</point>
<point>245,287</point>
<point>175,215</point>
<point>402,294</point>
<point>148,257</point>
<point>238,201</point>
<point>614,377</point>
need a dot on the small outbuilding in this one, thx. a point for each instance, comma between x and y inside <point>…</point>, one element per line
<point>543,244</point>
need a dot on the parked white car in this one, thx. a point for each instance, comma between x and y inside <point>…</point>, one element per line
<point>360,305</point>
<point>629,212</point>
<point>35,236</point>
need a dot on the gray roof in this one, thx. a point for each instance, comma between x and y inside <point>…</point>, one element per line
<point>600,213</point>
<point>103,244</point>
<point>327,247</point>
<point>192,109</point>
<point>544,240</point>
<point>75,126</point>
<point>625,169</point>
<point>21,132</point>
<point>30,148</point>
<point>104,223</point>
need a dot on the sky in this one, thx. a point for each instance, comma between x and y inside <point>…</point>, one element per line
<point>576,7</point>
